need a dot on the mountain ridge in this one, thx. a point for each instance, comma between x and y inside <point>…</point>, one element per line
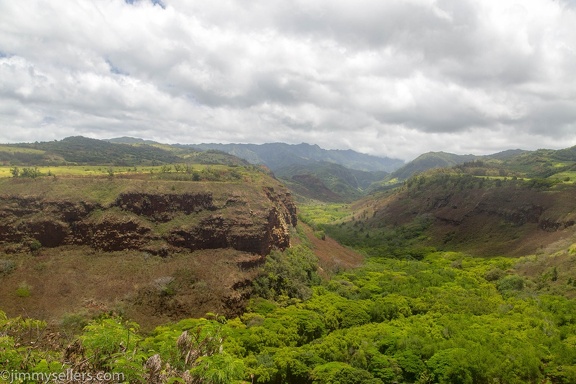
<point>312,172</point>
<point>278,155</point>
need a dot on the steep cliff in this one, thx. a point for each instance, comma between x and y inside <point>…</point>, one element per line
<point>252,218</point>
<point>154,250</point>
<point>480,217</point>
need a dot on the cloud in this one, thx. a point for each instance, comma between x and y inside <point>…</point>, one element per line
<point>395,78</point>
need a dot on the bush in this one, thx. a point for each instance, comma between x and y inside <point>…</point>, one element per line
<point>34,245</point>
<point>494,274</point>
<point>510,283</point>
<point>74,322</point>
<point>23,290</point>
<point>337,372</point>
<point>7,267</point>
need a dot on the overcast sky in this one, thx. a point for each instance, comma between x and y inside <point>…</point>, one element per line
<point>393,78</point>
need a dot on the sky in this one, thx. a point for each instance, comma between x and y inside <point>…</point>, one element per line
<point>393,78</point>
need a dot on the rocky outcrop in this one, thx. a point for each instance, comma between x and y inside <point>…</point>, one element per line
<point>50,233</point>
<point>247,233</point>
<point>163,207</point>
<point>115,234</point>
<point>507,205</point>
<point>551,225</point>
<point>511,219</point>
<point>156,223</point>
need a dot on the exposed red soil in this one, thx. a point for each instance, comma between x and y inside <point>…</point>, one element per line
<point>332,255</point>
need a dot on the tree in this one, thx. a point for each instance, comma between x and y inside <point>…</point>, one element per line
<point>220,368</point>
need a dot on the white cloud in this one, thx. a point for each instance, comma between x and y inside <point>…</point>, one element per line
<point>396,78</point>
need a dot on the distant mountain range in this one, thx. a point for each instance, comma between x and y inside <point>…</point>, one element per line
<point>511,203</point>
<point>310,171</point>
<point>432,160</point>
<point>280,155</point>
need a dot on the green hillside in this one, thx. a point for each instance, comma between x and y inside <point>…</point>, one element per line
<point>326,181</point>
<point>122,152</point>
<point>428,161</point>
<point>464,272</point>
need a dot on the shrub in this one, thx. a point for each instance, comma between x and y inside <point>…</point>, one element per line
<point>34,245</point>
<point>7,266</point>
<point>510,283</point>
<point>74,322</point>
<point>494,274</point>
<point>23,290</point>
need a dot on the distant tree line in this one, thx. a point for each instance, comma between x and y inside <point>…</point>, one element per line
<point>28,172</point>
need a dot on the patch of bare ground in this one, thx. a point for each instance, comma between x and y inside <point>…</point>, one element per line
<point>60,282</point>
<point>332,256</point>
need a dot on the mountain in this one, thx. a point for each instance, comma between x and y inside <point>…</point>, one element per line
<point>329,175</point>
<point>313,172</point>
<point>131,140</point>
<point>115,152</point>
<point>83,150</point>
<point>510,203</point>
<point>279,155</point>
<point>431,160</point>
<point>326,181</point>
<point>505,155</point>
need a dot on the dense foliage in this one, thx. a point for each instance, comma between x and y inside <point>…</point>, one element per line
<point>446,318</point>
<point>411,314</point>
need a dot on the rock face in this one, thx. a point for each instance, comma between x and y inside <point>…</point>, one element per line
<point>511,219</point>
<point>254,221</point>
<point>163,207</point>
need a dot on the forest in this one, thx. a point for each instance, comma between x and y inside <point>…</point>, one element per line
<point>443,318</point>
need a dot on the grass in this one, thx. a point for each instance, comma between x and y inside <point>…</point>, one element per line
<point>319,214</point>
<point>14,149</point>
<point>93,183</point>
<point>83,170</point>
<point>565,177</point>
<point>23,290</point>
<point>214,172</point>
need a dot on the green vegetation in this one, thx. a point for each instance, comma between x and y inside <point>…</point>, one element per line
<point>91,152</point>
<point>7,266</point>
<point>317,215</point>
<point>328,182</point>
<point>288,275</point>
<point>413,313</point>
<point>23,290</point>
<point>543,164</point>
<point>403,241</point>
<point>177,171</point>
<point>447,318</point>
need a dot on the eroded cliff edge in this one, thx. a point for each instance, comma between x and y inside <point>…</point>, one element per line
<point>153,250</point>
<point>156,217</point>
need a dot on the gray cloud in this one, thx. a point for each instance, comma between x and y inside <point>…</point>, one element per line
<point>394,78</point>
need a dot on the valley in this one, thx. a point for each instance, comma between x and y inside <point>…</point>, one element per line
<point>188,264</point>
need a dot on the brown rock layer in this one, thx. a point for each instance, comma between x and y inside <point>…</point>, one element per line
<point>157,223</point>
